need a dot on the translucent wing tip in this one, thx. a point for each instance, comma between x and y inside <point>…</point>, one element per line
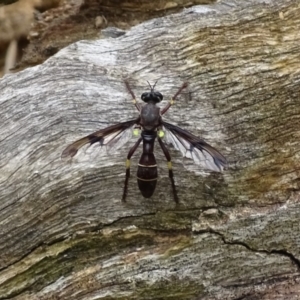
<point>220,162</point>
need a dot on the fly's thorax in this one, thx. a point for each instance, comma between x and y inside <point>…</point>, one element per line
<point>150,116</point>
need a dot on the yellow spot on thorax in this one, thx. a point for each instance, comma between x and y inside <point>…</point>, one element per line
<point>136,132</point>
<point>161,133</point>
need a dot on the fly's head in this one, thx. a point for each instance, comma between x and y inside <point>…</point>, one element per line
<point>152,96</point>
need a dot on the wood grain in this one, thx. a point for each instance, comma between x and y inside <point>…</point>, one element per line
<point>65,233</point>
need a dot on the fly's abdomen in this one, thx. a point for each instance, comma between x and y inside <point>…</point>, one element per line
<point>147,174</point>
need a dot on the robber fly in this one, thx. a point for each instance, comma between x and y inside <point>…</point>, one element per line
<point>152,128</point>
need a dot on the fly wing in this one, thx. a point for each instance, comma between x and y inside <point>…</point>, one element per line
<point>194,147</point>
<point>113,137</point>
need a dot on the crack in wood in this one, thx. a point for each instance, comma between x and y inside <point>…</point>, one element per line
<point>282,252</point>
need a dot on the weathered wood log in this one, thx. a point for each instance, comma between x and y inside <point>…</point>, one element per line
<point>65,233</point>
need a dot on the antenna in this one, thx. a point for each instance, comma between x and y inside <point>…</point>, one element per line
<point>152,87</point>
<point>155,84</point>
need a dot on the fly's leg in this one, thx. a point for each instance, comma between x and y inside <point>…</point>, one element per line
<point>171,176</point>
<point>165,109</point>
<point>130,153</point>
<point>132,95</point>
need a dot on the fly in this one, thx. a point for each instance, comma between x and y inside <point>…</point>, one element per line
<point>152,128</point>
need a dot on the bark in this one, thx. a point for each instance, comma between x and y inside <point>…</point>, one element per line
<point>65,233</point>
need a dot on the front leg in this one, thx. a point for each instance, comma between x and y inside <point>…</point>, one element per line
<point>164,110</point>
<point>136,104</point>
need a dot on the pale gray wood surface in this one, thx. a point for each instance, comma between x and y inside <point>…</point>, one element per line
<point>65,233</point>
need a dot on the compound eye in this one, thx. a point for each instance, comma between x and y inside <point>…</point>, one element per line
<point>144,96</point>
<point>159,96</point>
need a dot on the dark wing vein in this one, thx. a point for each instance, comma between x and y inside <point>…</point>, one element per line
<point>113,136</point>
<point>194,147</point>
